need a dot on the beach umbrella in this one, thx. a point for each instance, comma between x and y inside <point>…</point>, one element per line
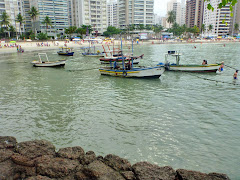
<point>12,41</point>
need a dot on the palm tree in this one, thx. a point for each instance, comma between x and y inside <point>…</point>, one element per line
<point>210,27</point>
<point>20,19</point>
<point>33,13</point>
<point>5,20</point>
<point>236,27</point>
<point>48,22</point>
<point>12,30</point>
<point>140,27</point>
<point>157,29</point>
<point>171,17</point>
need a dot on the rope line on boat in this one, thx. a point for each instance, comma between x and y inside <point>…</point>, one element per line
<point>217,81</point>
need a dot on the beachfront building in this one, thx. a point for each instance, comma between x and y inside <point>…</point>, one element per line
<point>90,12</point>
<point>194,13</point>
<point>183,12</point>
<point>135,12</point>
<point>174,6</point>
<point>56,10</point>
<point>12,8</point>
<point>112,14</point>
<point>215,18</point>
<point>235,20</point>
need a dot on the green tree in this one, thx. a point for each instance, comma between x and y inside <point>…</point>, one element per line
<point>111,31</point>
<point>157,29</point>
<point>171,17</point>
<point>42,36</point>
<point>47,21</point>
<point>140,27</point>
<point>202,28</point>
<point>210,27</point>
<point>70,30</point>
<point>5,21</point>
<point>12,30</point>
<point>149,27</point>
<point>81,31</point>
<point>20,19</point>
<point>88,28</point>
<point>236,27</point>
<point>33,13</point>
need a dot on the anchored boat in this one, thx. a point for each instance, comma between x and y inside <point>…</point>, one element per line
<point>47,63</point>
<point>65,51</point>
<point>187,67</point>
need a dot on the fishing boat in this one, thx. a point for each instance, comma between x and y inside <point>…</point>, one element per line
<point>47,63</point>
<point>65,51</point>
<point>107,60</point>
<point>187,67</point>
<point>127,70</point>
<point>91,50</point>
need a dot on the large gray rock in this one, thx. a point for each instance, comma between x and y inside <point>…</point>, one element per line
<point>7,170</point>
<point>5,154</point>
<point>147,171</point>
<point>117,163</point>
<point>97,170</point>
<point>7,142</point>
<point>184,174</point>
<point>39,177</point>
<point>88,158</point>
<point>71,152</point>
<point>33,149</point>
<point>22,160</point>
<point>56,167</point>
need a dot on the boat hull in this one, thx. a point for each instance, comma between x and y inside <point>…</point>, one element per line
<point>194,68</point>
<point>93,55</point>
<point>49,64</point>
<point>147,72</point>
<point>65,54</point>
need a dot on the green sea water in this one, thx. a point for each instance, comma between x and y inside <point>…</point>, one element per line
<point>184,120</point>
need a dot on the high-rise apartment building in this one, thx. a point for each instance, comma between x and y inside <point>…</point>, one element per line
<point>175,6</point>
<point>183,12</point>
<point>12,8</point>
<point>235,19</point>
<point>215,18</point>
<point>90,12</point>
<point>135,12</point>
<point>194,13</point>
<point>56,10</point>
<point>112,14</point>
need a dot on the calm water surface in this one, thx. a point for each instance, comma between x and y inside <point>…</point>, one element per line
<point>181,119</point>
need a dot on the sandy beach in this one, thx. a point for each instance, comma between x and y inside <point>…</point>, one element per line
<point>47,45</point>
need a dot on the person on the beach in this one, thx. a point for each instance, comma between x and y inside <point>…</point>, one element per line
<point>235,74</point>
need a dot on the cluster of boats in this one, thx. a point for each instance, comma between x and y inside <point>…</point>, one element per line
<point>127,65</point>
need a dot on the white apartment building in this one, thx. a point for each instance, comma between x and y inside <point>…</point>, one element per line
<point>112,14</point>
<point>175,6</point>
<point>90,12</point>
<point>56,10</point>
<point>135,12</point>
<point>12,8</point>
<point>183,12</point>
<point>215,18</point>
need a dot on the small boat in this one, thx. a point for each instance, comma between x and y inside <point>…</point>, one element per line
<point>65,51</point>
<point>92,53</point>
<point>41,63</point>
<point>187,67</point>
<point>127,70</point>
<point>107,60</point>
<point>87,52</point>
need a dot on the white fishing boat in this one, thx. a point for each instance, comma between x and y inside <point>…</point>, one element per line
<point>187,67</point>
<point>47,63</point>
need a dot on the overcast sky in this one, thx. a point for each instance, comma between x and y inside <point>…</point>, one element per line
<point>160,7</point>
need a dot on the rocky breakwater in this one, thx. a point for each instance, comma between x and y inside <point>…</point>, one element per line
<point>38,160</point>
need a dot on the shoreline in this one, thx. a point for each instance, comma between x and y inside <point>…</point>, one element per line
<point>38,159</point>
<point>32,46</point>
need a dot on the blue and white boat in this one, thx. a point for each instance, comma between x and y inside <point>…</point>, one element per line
<point>65,51</point>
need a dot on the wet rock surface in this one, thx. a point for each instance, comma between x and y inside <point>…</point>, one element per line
<point>38,160</point>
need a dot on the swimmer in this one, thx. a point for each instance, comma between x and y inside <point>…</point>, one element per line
<point>235,74</point>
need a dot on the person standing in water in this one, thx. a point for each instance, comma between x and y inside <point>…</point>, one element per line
<point>235,74</point>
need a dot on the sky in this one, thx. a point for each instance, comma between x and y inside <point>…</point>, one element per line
<point>160,7</point>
